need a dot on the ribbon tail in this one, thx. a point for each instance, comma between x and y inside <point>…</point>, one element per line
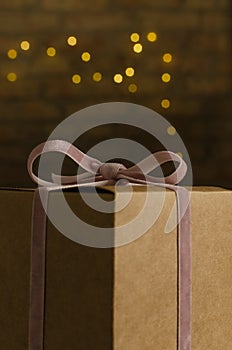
<point>184,270</point>
<point>37,274</point>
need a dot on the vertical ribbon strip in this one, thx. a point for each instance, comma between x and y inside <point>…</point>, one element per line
<point>102,174</point>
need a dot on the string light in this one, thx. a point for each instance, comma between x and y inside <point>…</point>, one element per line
<point>138,48</point>
<point>12,54</point>
<point>166,77</point>
<point>134,37</point>
<point>86,57</point>
<point>132,88</point>
<point>72,40</point>
<point>165,103</point>
<point>97,76</point>
<point>51,51</point>
<point>152,36</point>
<point>171,130</point>
<point>11,77</point>
<point>130,71</point>
<point>25,45</point>
<point>118,78</point>
<point>76,79</point>
<point>167,58</point>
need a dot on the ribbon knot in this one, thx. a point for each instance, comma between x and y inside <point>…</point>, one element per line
<point>109,171</point>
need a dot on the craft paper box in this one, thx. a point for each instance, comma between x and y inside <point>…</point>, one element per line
<point>122,298</point>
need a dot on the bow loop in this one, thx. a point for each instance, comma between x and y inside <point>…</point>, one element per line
<point>99,173</point>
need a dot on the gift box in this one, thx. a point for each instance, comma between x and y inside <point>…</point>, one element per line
<point>124,297</point>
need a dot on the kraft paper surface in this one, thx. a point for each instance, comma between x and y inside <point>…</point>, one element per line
<point>122,298</point>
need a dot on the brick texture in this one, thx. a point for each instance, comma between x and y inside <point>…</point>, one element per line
<point>198,35</point>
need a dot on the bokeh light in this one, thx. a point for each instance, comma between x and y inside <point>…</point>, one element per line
<point>72,40</point>
<point>180,154</point>
<point>134,37</point>
<point>171,130</point>
<point>118,78</point>
<point>51,51</point>
<point>25,45</point>
<point>165,103</point>
<point>97,76</point>
<point>12,54</point>
<point>166,77</point>
<point>76,79</point>
<point>152,36</point>
<point>132,88</point>
<point>138,48</point>
<point>11,77</point>
<point>86,57</point>
<point>130,71</point>
<point>167,58</point>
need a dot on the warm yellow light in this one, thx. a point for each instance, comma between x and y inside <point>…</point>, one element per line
<point>11,77</point>
<point>171,130</point>
<point>138,48</point>
<point>134,37</point>
<point>130,71</point>
<point>12,54</point>
<point>118,78</point>
<point>152,36</point>
<point>86,57</point>
<point>167,58</point>
<point>97,76</point>
<point>166,77</point>
<point>51,51</point>
<point>180,154</point>
<point>72,40</point>
<point>165,103</point>
<point>132,88</point>
<point>76,79</point>
<point>25,45</point>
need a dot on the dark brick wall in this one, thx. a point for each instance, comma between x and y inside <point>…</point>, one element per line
<point>197,33</point>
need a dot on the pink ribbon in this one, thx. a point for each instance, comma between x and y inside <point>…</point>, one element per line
<point>102,174</point>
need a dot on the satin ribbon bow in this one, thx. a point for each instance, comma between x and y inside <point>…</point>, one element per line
<point>101,174</point>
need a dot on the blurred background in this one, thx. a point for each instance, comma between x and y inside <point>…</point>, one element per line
<point>173,56</point>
